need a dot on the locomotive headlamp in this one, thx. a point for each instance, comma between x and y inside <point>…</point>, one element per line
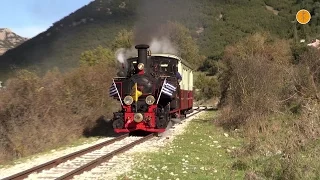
<point>140,66</point>
<point>128,100</point>
<point>138,117</point>
<point>150,100</point>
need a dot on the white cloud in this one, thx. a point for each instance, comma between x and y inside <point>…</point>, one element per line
<point>30,31</point>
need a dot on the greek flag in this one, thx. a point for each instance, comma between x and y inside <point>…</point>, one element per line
<point>167,88</point>
<point>113,90</point>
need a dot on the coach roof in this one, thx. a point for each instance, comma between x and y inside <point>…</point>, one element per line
<point>175,57</point>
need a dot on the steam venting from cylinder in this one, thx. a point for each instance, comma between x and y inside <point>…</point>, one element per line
<point>142,53</point>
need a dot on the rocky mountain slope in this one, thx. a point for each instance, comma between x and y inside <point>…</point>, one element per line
<point>9,40</point>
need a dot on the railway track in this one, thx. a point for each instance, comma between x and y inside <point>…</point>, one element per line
<point>76,163</point>
<point>203,107</point>
<point>68,166</point>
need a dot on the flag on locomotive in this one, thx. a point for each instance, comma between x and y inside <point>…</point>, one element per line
<point>113,90</point>
<point>149,97</point>
<point>167,89</point>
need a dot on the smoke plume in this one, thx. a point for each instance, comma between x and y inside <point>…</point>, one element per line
<point>152,28</point>
<point>162,45</point>
<point>153,14</point>
<point>123,54</point>
<point>157,46</point>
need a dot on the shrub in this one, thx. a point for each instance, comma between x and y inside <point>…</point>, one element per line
<point>208,87</point>
<point>275,103</point>
<point>56,107</point>
<point>97,56</point>
<point>124,39</point>
<point>253,82</point>
<point>307,74</point>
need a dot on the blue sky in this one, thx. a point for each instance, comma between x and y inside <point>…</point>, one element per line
<point>28,18</point>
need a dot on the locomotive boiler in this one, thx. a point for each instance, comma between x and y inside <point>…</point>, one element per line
<point>151,91</point>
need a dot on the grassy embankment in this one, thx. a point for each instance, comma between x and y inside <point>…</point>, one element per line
<point>203,151</point>
<point>207,151</point>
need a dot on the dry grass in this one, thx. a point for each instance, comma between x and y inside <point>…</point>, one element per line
<point>254,82</point>
<point>274,103</point>
<point>38,113</point>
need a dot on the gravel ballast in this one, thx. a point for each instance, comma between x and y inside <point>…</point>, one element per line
<point>43,158</point>
<point>124,163</point>
<point>116,166</point>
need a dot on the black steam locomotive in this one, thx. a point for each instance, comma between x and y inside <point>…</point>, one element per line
<point>151,92</point>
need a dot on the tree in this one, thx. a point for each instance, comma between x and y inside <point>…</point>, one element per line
<point>208,86</point>
<point>124,39</point>
<point>97,56</point>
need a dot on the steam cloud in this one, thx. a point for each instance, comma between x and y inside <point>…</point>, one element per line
<point>150,27</point>
<point>162,45</point>
<point>123,54</point>
<point>157,46</point>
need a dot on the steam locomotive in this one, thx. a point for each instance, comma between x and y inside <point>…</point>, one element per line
<point>151,92</point>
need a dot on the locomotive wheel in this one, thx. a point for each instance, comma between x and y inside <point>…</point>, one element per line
<point>118,124</point>
<point>162,121</point>
<point>163,117</point>
<point>184,115</point>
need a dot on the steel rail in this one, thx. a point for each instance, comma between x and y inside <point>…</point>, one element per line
<point>55,162</point>
<point>95,163</point>
<point>92,164</point>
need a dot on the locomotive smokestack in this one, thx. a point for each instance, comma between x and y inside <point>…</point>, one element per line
<point>142,53</point>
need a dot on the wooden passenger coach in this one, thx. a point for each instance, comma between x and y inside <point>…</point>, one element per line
<point>185,91</point>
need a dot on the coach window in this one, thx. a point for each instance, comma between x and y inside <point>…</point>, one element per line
<point>164,67</point>
<point>133,64</point>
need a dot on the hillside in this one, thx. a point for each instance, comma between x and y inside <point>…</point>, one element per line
<point>9,40</point>
<point>268,87</point>
<point>213,23</point>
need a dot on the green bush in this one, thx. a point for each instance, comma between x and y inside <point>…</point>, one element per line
<point>96,56</point>
<point>124,39</point>
<point>206,87</point>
